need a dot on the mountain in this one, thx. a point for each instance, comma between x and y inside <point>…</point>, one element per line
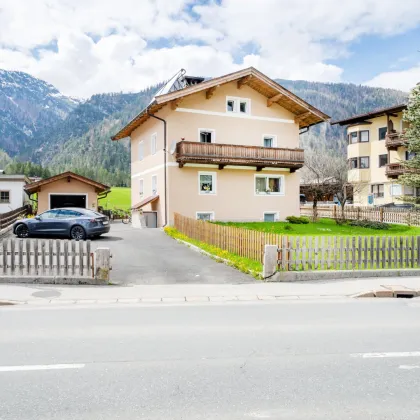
<point>39,124</point>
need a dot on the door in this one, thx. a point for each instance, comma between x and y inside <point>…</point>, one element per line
<point>45,223</point>
<point>151,218</point>
<point>67,200</point>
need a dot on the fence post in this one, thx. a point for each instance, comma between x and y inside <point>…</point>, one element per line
<point>381,214</point>
<point>102,264</point>
<point>270,260</point>
<point>358,213</point>
<point>335,212</point>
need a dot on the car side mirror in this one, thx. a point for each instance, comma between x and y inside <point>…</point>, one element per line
<point>38,217</point>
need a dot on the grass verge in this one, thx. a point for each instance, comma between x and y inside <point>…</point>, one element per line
<point>118,198</point>
<point>240,263</point>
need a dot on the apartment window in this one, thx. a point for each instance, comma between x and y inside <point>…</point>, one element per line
<point>364,162</point>
<point>205,215</point>
<point>141,186</point>
<point>154,184</point>
<point>153,144</point>
<point>269,141</point>
<point>409,190</point>
<point>4,196</point>
<point>409,155</point>
<point>353,137</point>
<point>383,160</point>
<point>382,133</point>
<point>207,182</point>
<point>271,216</point>
<point>141,150</point>
<point>269,184</point>
<point>238,105</point>
<point>396,190</point>
<point>377,190</point>
<point>206,136</point>
<point>364,136</point>
<point>353,163</point>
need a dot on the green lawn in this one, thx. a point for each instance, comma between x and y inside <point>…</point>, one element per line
<point>118,198</point>
<point>324,227</point>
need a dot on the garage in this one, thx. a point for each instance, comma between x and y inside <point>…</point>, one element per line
<point>65,200</point>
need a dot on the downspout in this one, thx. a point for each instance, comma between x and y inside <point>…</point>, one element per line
<point>164,163</point>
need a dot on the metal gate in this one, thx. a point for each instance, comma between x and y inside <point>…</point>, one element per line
<point>151,218</point>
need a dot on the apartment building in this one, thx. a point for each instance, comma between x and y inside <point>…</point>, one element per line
<point>220,149</point>
<point>375,154</point>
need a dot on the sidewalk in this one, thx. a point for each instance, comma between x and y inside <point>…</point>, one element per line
<point>52,294</point>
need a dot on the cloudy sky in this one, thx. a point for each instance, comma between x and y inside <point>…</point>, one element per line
<point>90,46</point>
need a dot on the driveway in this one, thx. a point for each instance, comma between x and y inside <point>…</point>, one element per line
<point>149,256</point>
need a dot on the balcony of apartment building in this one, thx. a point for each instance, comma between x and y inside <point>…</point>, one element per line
<point>238,155</point>
<point>394,140</point>
<point>394,170</point>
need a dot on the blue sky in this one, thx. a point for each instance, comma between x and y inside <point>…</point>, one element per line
<point>85,47</point>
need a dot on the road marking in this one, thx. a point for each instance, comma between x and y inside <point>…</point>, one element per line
<point>409,367</point>
<point>40,367</point>
<point>388,354</point>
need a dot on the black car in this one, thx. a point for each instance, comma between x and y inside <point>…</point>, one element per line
<point>74,223</point>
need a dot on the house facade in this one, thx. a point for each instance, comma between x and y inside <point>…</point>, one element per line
<point>223,149</point>
<point>375,154</point>
<point>12,194</point>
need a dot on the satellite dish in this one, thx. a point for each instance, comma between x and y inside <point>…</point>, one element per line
<point>173,147</point>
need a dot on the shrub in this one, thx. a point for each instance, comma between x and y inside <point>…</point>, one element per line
<point>297,220</point>
<point>369,224</point>
<point>288,227</point>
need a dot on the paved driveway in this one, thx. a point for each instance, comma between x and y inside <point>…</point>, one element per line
<point>149,256</point>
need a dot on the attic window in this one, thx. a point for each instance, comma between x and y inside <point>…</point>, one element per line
<point>238,105</point>
<point>231,105</point>
<point>243,106</point>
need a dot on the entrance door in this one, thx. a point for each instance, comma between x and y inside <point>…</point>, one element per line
<point>151,218</point>
<point>71,200</point>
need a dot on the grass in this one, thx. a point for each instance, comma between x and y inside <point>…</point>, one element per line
<point>324,227</point>
<point>118,198</point>
<point>243,264</point>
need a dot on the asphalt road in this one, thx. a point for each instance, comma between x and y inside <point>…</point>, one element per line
<point>279,360</point>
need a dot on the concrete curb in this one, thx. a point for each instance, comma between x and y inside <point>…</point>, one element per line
<point>50,280</point>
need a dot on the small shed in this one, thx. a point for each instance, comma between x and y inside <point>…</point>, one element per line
<point>66,190</point>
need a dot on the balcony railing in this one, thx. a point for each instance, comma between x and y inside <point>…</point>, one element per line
<point>230,154</point>
<point>394,170</point>
<point>394,140</point>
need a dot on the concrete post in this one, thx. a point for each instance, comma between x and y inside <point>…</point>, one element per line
<point>270,260</point>
<point>103,264</point>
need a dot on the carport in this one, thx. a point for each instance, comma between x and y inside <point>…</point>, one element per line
<point>66,190</point>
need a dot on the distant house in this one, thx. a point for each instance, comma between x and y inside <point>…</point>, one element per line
<point>12,193</point>
<point>225,149</point>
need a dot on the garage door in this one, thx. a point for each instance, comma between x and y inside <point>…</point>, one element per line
<point>62,200</point>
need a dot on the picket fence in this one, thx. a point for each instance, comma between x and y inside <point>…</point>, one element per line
<point>6,219</point>
<point>373,214</point>
<point>37,257</point>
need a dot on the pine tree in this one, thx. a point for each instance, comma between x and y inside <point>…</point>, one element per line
<point>412,136</point>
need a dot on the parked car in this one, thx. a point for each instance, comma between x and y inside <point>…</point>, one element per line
<point>74,223</point>
<point>302,198</point>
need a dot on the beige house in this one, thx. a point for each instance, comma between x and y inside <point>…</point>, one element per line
<point>66,190</point>
<point>375,151</point>
<point>225,149</point>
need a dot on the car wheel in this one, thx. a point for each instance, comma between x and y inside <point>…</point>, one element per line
<point>22,231</point>
<point>77,233</point>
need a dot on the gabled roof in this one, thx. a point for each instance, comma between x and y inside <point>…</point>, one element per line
<point>359,118</point>
<point>35,186</point>
<point>17,177</point>
<point>306,114</point>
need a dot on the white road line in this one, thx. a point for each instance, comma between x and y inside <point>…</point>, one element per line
<point>409,367</point>
<point>388,354</point>
<point>40,367</point>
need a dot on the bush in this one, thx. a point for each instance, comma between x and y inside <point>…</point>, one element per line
<point>369,224</point>
<point>288,227</point>
<point>297,220</point>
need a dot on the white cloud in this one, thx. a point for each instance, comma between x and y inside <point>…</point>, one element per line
<point>103,45</point>
<point>403,80</point>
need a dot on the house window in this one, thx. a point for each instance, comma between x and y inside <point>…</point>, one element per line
<point>207,182</point>
<point>409,155</point>
<point>377,190</point>
<point>206,136</point>
<point>141,150</point>
<point>154,185</point>
<point>243,107</point>
<point>238,105</point>
<point>353,163</point>
<point>353,137</point>
<point>383,160</point>
<point>382,133</point>
<point>269,141</point>
<point>230,105</point>
<point>408,190</point>
<point>153,144</point>
<point>364,162</point>
<point>141,186</point>
<point>205,215</point>
<point>271,216</point>
<point>364,136</point>
<point>396,189</point>
<point>4,196</point>
<point>269,184</point>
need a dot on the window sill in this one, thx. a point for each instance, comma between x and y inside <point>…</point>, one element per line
<point>207,193</point>
<point>268,194</point>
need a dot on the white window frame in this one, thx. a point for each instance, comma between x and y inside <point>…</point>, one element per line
<point>276,215</point>
<point>140,151</point>
<point>141,186</point>
<point>211,213</point>
<point>153,144</point>
<point>236,105</point>
<point>214,183</point>
<point>211,130</point>
<point>156,190</point>
<point>265,194</point>
<point>273,136</point>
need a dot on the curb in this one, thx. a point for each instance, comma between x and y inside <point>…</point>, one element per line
<point>390,292</point>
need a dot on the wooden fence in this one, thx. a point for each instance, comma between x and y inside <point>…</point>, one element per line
<point>6,219</point>
<point>373,214</point>
<point>40,257</point>
<point>348,253</point>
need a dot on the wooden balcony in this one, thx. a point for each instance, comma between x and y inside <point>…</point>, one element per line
<point>394,170</point>
<point>230,154</point>
<point>394,140</point>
